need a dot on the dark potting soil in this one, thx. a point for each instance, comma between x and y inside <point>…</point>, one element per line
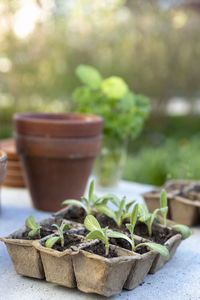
<point>158,236</point>
<point>99,249</point>
<point>76,214</point>
<point>105,221</point>
<point>126,245</point>
<point>69,240</point>
<point>44,231</point>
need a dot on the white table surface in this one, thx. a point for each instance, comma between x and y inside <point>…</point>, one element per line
<point>179,279</point>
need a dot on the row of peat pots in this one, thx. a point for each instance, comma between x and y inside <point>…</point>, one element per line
<point>81,262</point>
<point>57,152</point>
<point>183,201</point>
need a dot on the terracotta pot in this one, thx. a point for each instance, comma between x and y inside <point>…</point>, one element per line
<point>58,266</point>
<point>57,152</point>
<point>100,275</point>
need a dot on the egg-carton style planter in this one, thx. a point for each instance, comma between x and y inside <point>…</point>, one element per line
<point>26,258</point>
<point>183,201</point>
<point>79,266</point>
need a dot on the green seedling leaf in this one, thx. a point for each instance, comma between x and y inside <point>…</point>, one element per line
<point>129,227</point>
<point>91,223</point>
<point>33,232</point>
<point>51,241</point>
<point>111,197</point>
<point>91,189</point>
<point>154,214</point>
<point>64,226</point>
<point>117,235</point>
<point>134,215</point>
<point>129,205</point>
<point>75,202</point>
<point>163,198</point>
<point>30,222</point>
<point>157,247</point>
<point>183,229</point>
<point>96,234</point>
<point>121,207</point>
<point>106,211</point>
<point>143,212</point>
<point>89,76</point>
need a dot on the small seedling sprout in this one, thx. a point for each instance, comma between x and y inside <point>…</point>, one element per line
<point>51,241</point>
<point>96,232</point>
<point>163,206</point>
<point>146,217</point>
<point>35,227</point>
<point>133,219</point>
<point>88,204</point>
<point>118,216</point>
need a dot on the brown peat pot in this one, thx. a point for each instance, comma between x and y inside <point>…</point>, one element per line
<point>57,152</point>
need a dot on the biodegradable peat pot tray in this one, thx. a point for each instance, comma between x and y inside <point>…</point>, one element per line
<point>26,259</point>
<point>185,211</point>
<point>57,262</point>
<point>152,199</point>
<point>57,152</point>
<point>165,236</point>
<point>172,187</point>
<point>101,275</point>
<point>141,268</point>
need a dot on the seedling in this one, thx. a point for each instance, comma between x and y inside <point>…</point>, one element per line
<point>35,227</point>
<point>118,216</point>
<point>90,202</point>
<point>51,241</point>
<point>146,217</point>
<point>133,219</point>
<point>183,229</point>
<point>96,232</point>
<point>163,206</point>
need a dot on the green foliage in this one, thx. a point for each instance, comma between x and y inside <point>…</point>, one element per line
<point>154,246</point>
<point>35,227</point>
<point>123,111</point>
<point>175,159</point>
<point>103,234</point>
<point>89,76</point>
<point>163,206</point>
<point>51,241</point>
<point>146,217</point>
<point>123,209</point>
<point>89,203</point>
<point>184,230</point>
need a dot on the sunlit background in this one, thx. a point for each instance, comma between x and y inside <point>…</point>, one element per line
<point>154,45</point>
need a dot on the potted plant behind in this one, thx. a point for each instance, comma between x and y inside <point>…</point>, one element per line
<point>123,111</point>
<point>57,152</point>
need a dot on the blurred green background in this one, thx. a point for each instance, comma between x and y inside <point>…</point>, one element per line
<point>154,45</point>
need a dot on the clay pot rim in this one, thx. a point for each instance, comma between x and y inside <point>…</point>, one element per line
<point>3,156</point>
<point>58,118</point>
<point>58,125</point>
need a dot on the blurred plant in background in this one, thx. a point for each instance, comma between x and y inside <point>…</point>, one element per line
<point>153,45</point>
<point>123,111</point>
